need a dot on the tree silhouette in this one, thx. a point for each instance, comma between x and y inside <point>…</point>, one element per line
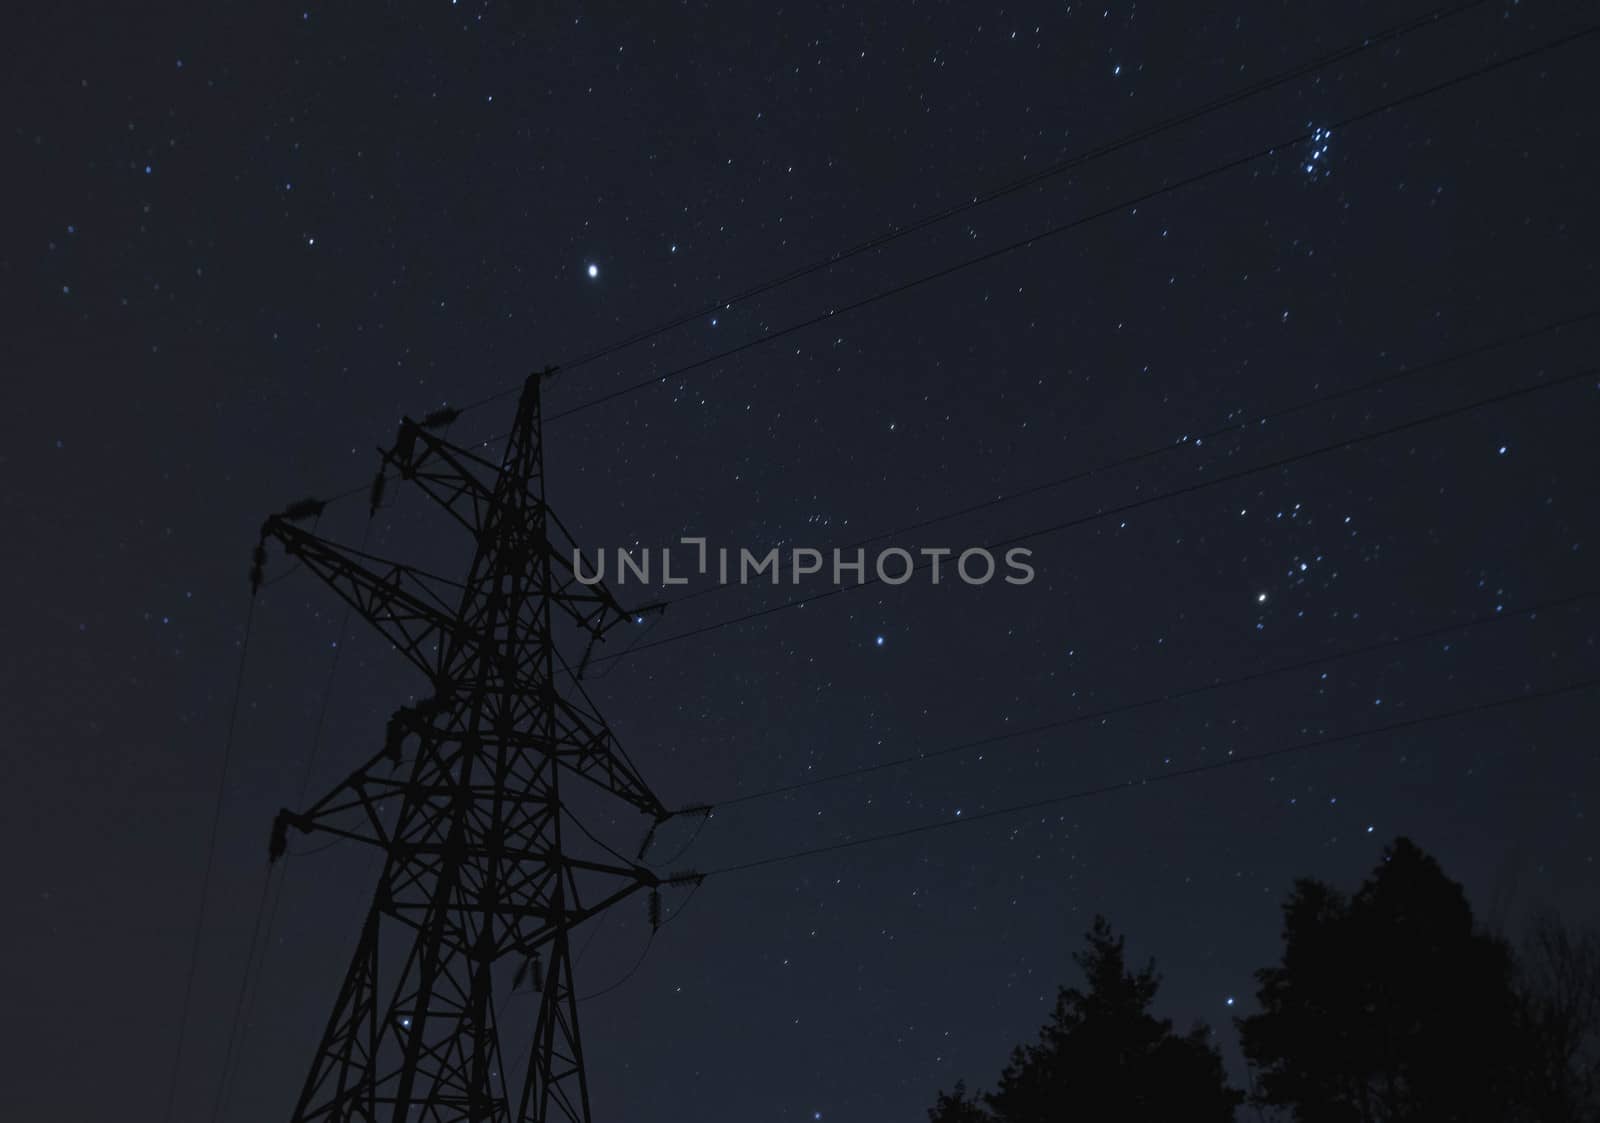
<point>1103,1055</point>
<point>1388,1006</point>
<point>956,1107</point>
<point>1558,980</point>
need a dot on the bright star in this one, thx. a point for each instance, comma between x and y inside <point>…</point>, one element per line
<point>594,271</point>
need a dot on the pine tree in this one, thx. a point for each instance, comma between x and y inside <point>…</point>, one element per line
<point>1388,1006</point>
<point>957,1107</point>
<point>1104,1055</point>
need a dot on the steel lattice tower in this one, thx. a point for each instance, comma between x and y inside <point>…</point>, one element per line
<point>480,872</point>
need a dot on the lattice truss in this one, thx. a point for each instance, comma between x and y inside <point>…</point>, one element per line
<point>471,800</point>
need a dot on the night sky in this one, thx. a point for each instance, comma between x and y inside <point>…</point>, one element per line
<point>246,240</point>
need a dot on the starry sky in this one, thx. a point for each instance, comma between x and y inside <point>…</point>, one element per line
<point>246,240</point>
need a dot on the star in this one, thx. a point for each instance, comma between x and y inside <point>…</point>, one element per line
<point>594,271</point>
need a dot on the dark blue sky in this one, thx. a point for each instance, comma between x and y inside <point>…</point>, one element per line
<point>246,240</point>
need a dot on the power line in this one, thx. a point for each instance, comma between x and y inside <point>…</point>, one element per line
<point>1133,505</point>
<point>677,912</point>
<point>241,1004</point>
<point>631,971</point>
<point>1237,427</point>
<point>211,858</point>
<point>607,662</point>
<point>1120,709</point>
<point>639,643</point>
<point>1162,449</point>
<point>1055,231</point>
<point>1160,777</point>
<point>1050,171</point>
<point>248,991</point>
<point>1166,189</point>
<point>648,944</point>
<point>1428,419</point>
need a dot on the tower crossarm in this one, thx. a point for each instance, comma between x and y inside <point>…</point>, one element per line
<point>456,478</point>
<point>589,602</point>
<point>583,746</point>
<point>402,602</point>
<point>535,923</point>
<point>587,747</point>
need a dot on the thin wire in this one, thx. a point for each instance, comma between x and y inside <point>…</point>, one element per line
<point>648,944</point>
<point>650,940</point>
<point>895,233</point>
<point>248,990</point>
<point>1163,449</point>
<point>1530,612</point>
<point>211,856</point>
<point>609,661</point>
<point>587,833</point>
<point>1055,231</point>
<point>329,845</point>
<point>1160,777</point>
<point>1135,504</point>
<point>694,835</point>
<point>244,986</point>
<point>677,912</point>
<point>290,572</point>
<point>639,637</point>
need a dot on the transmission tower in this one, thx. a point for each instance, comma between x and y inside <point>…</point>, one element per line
<point>470,800</point>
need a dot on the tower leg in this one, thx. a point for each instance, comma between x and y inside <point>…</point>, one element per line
<point>556,1087</point>
<point>339,1086</point>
